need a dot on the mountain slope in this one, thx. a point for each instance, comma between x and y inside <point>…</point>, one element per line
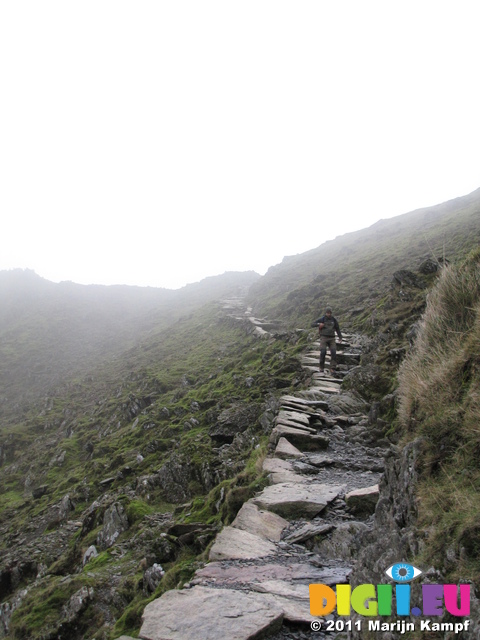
<point>51,333</point>
<point>133,420</point>
<point>354,271</point>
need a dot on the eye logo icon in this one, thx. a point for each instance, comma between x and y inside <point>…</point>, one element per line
<point>402,572</point>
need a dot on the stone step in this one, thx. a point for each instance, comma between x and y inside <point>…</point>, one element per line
<point>265,524</point>
<point>286,450</point>
<point>293,500</point>
<point>363,501</point>
<point>299,438</point>
<point>280,471</point>
<point>300,401</point>
<point>282,421</point>
<point>257,576</point>
<point>309,530</point>
<point>294,416</point>
<point>205,613</point>
<point>237,544</point>
<point>320,386</point>
<point>299,569</point>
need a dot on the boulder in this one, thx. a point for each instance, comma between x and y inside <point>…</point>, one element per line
<point>152,578</point>
<point>174,478</point>
<point>115,522</point>
<point>233,420</point>
<point>90,554</point>
<point>204,613</point>
<point>363,501</point>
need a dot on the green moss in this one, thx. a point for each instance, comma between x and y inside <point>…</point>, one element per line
<point>137,509</point>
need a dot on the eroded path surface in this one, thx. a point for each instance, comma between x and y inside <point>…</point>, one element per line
<point>324,467</point>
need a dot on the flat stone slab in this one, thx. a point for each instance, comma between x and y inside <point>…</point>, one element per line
<point>274,465</point>
<point>227,574</point>
<point>321,404</point>
<point>299,438</point>
<point>285,450</point>
<point>265,524</point>
<point>282,471</point>
<point>204,613</point>
<point>294,416</point>
<point>320,386</point>
<point>319,460</point>
<point>281,477</point>
<point>309,530</point>
<point>236,544</point>
<point>290,423</point>
<point>293,598</point>
<point>292,500</point>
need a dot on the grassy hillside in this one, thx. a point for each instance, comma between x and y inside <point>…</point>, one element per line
<point>439,402</point>
<point>152,408</point>
<point>353,273</point>
<point>167,433</point>
<point>51,333</point>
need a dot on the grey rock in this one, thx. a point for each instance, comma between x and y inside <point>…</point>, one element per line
<point>152,577</point>
<point>115,522</point>
<point>293,598</point>
<point>309,530</point>
<point>285,450</point>
<point>291,500</point>
<point>77,603</point>
<point>343,542</point>
<point>233,420</point>
<point>204,613</point>
<point>174,477</point>
<point>281,471</point>
<point>235,544</point>
<point>89,554</point>
<point>299,438</point>
<point>264,524</point>
<point>429,266</point>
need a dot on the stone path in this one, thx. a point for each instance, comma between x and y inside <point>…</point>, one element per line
<point>323,469</point>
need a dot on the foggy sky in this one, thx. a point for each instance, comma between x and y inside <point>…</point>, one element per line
<point>158,143</point>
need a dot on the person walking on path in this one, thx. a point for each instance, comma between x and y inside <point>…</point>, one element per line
<point>327,327</point>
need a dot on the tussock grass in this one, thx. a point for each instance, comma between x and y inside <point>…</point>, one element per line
<point>439,401</point>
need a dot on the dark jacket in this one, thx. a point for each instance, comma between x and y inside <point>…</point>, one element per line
<point>330,326</point>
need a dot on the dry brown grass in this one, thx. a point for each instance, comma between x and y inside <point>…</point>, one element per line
<point>439,400</point>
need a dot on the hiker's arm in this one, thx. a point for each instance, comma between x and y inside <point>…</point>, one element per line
<point>339,333</point>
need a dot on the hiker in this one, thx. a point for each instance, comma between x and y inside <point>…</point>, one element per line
<point>327,326</point>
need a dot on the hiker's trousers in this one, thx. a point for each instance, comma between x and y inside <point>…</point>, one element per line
<point>328,341</point>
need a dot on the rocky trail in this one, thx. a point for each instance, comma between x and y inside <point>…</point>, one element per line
<point>324,465</point>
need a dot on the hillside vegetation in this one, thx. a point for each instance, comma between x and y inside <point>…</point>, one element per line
<point>161,435</point>
<point>439,402</point>
<point>51,333</point>
<point>135,420</point>
<point>354,272</point>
